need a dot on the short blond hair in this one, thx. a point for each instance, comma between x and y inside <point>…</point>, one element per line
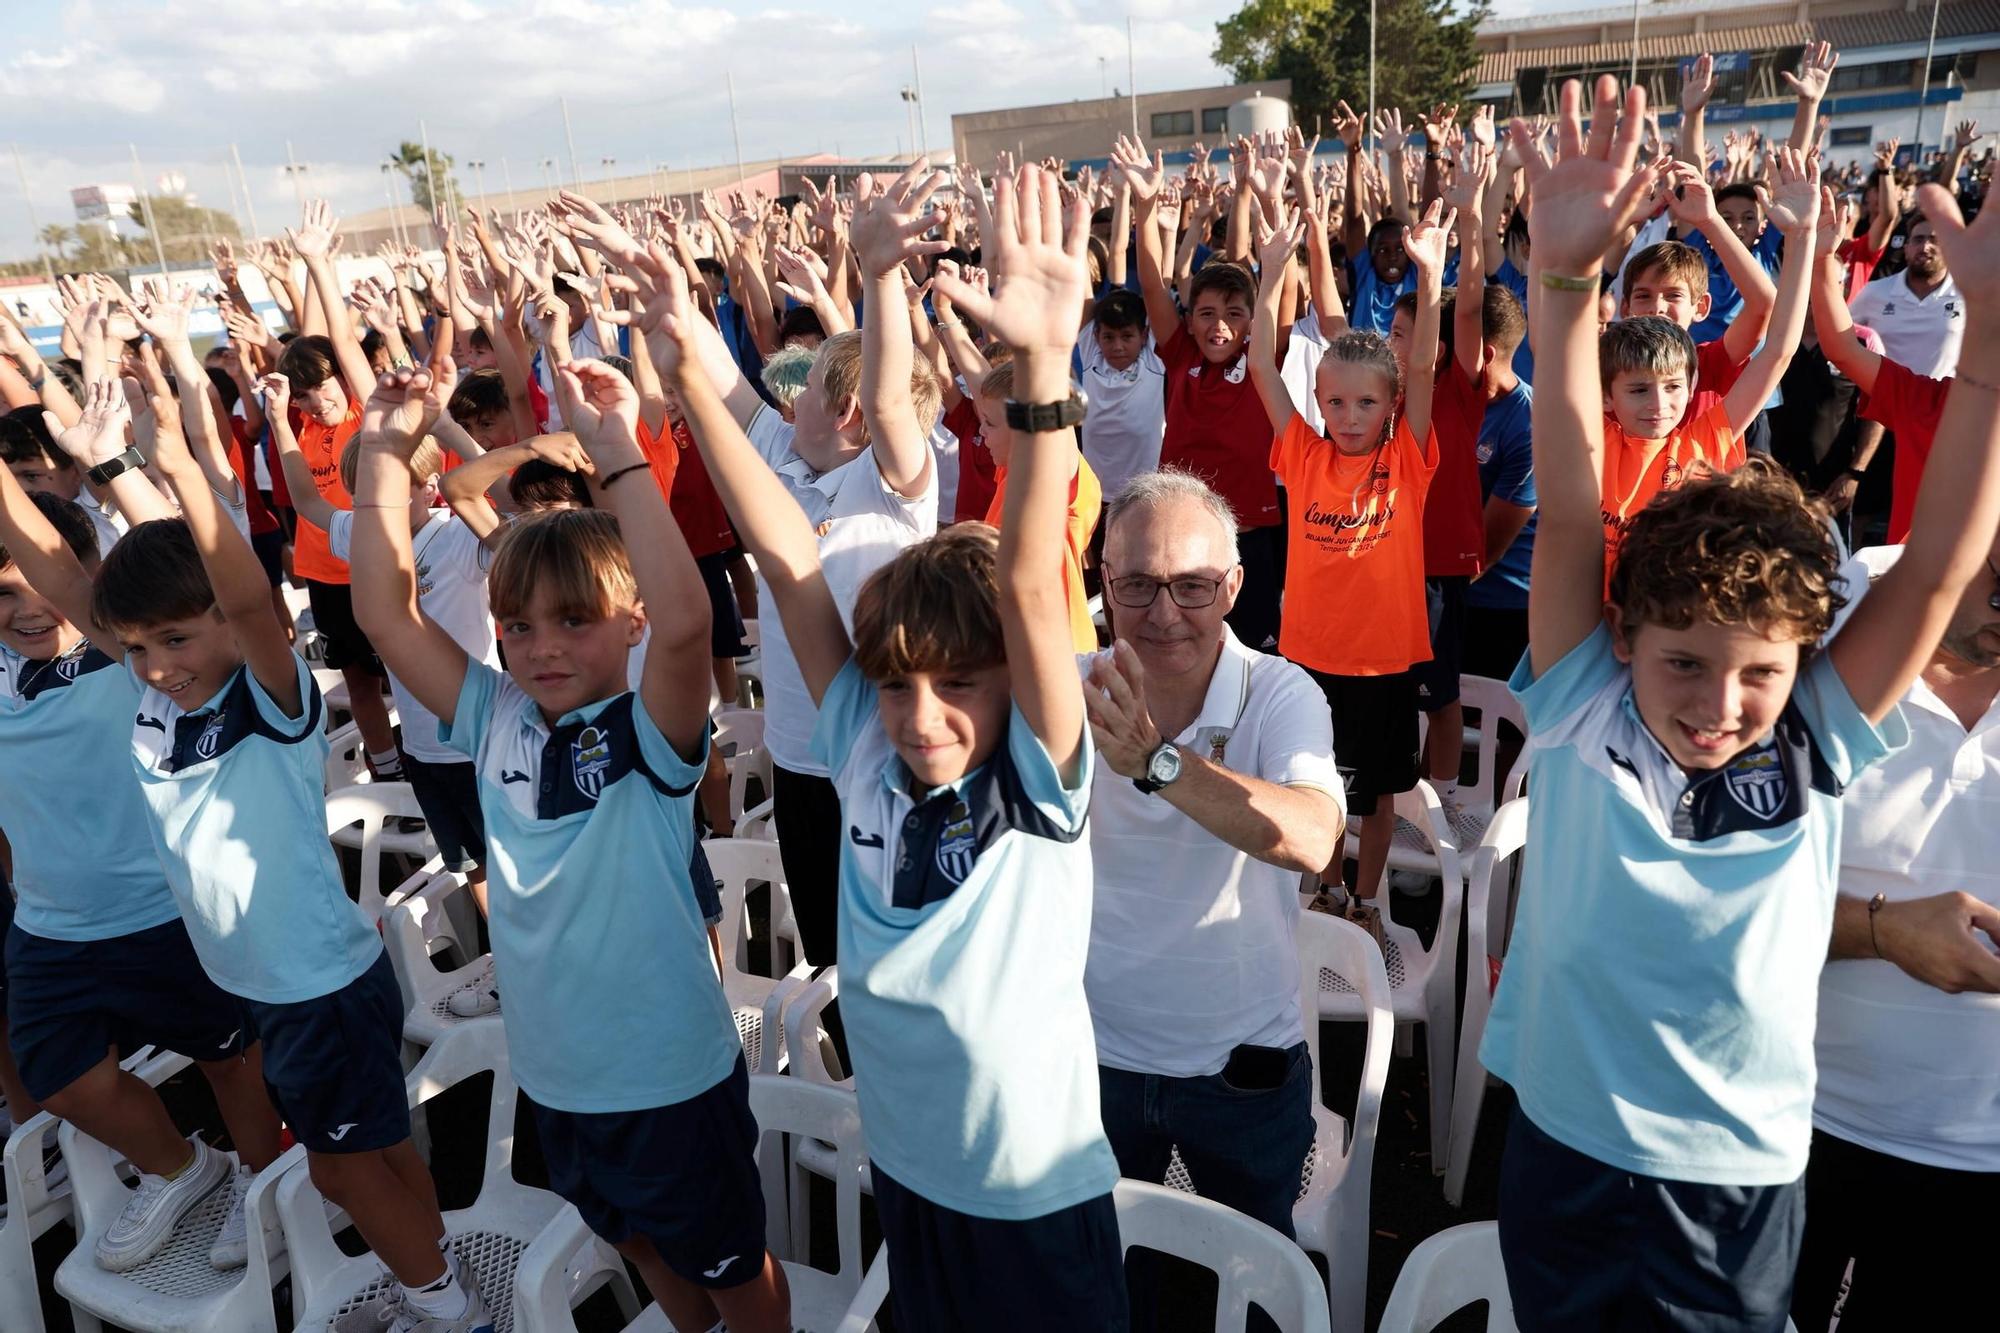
<point>426,461</point>
<point>934,607</point>
<point>840,380</point>
<point>998,385</point>
<point>576,554</point>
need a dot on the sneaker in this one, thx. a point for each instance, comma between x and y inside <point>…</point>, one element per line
<point>232,1243</point>
<point>1466,827</point>
<point>474,1001</point>
<point>476,1319</point>
<point>1330,899</point>
<point>1369,917</point>
<point>1411,883</point>
<point>380,1313</point>
<point>156,1207</point>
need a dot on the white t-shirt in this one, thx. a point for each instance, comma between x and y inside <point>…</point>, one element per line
<point>1303,354</point>
<point>451,591</point>
<point>1904,1068</point>
<point>1924,335</point>
<point>944,456</point>
<point>1128,412</point>
<point>1193,944</point>
<point>1650,233</point>
<point>862,523</point>
<point>109,523</point>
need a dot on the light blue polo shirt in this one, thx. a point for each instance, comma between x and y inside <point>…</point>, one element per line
<point>612,1000</point>
<point>964,928</point>
<point>238,800</point>
<point>84,865</point>
<point>1656,1007</point>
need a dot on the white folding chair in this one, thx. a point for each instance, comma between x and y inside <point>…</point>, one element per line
<point>357,817</point>
<point>489,1237</point>
<point>432,935</point>
<point>548,1287</point>
<point>1494,864</point>
<point>1423,982</point>
<point>758,1001</point>
<point>1457,1267</point>
<point>177,1290</point>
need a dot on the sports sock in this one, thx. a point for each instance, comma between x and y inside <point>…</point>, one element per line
<point>193,1156</point>
<point>442,1299</point>
<point>387,762</point>
<point>1447,790</point>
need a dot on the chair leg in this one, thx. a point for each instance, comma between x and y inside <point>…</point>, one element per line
<point>1438,1051</point>
<point>83,1321</point>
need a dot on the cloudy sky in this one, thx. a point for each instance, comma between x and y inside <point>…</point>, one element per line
<point>344,82</point>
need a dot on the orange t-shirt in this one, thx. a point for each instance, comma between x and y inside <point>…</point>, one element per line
<point>1354,552</point>
<point>321,445</point>
<point>1637,470</point>
<point>1086,497</point>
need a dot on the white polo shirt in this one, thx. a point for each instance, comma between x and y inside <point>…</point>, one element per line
<point>1193,944</point>
<point>1923,334</point>
<point>862,523</point>
<point>1904,1068</point>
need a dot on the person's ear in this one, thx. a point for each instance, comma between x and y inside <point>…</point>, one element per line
<point>635,631</point>
<point>1621,635</point>
<point>849,417</point>
<point>1702,305</point>
<point>1232,586</point>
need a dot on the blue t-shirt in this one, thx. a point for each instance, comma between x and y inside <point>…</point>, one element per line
<point>1516,282</point>
<point>1506,454</point>
<point>238,800</point>
<point>1725,302</point>
<point>84,864</point>
<point>1656,1009</point>
<point>612,999</point>
<point>1374,303</point>
<point>964,928</point>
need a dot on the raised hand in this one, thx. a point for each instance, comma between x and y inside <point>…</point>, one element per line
<point>400,410</point>
<point>586,222</point>
<point>600,407</point>
<point>99,434</point>
<point>1439,124</point>
<point>1277,239</point>
<point>1475,169</point>
<point>1815,70</point>
<point>1480,128</point>
<point>1145,174</point>
<point>1836,221</point>
<point>1591,193</point>
<point>889,226</point>
<point>1966,135</point>
<point>247,329</point>
<point>277,393</point>
<point>1794,197</point>
<point>1689,197</point>
<point>317,231</point>
<point>164,315</point>
<point>1428,242</point>
<point>1347,124</point>
<point>1885,154</point>
<point>1972,253</point>
<point>1390,131</point>
<point>1036,254</point>
<point>1698,84</point>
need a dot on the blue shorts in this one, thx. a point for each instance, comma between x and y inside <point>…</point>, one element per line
<point>70,1002</point>
<point>682,1176</point>
<point>947,1269</point>
<point>1444,605</point>
<point>334,1064</point>
<point>448,794</point>
<point>707,896</point>
<point>725,626</point>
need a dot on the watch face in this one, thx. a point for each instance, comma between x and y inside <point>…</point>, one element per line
<point>1165,765</point>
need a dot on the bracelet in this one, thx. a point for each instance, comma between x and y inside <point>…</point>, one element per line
<point>605,485</point>
<point>1557,282</point>
<point>1874,906</point>
<point>39,380</point>
<point>1977,384</point>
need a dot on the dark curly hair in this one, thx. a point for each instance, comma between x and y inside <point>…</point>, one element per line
<point>1736,548</point>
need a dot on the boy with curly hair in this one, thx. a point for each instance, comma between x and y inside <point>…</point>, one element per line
<point>1690,741</point>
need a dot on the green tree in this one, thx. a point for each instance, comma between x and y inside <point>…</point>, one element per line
<point>187,231</point>
<point>409,159</point>
<point>1425,51</point>
<point>57,238</point>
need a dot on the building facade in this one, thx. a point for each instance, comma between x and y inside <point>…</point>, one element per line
<point>1083,130</point>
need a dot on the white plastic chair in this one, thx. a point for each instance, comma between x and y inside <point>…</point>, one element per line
<point>177,1290</point>
<point>346,758</point>
<point>758,1001</point>
<point>739,733</point>
<point>1457,1267</point>
<point>489,1237</point>
<point>1423,982</point>
<point>438,920</point>
<point>356,817</point>
<point>1495,704</point>
<point>548,1289</point>
<point>1494,863</point>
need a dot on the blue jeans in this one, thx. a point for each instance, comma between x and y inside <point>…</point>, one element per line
<point>1243,1146</point>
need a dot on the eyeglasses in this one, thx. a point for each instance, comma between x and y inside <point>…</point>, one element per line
<point>1190,592</point>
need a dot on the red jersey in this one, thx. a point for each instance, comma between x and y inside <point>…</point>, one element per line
<point>1910,405</point>
<point>978,480</point>
<point>1454,514</point>
<point>1714,375</point>
<point>1217,428</point>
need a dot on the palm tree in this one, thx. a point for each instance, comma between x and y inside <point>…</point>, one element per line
<point>56,236</point>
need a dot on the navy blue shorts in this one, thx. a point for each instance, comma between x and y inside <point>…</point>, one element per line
<point>949,1270</point>
<point>1444,605</point>
<point>725,626</point>
<point>682,1176</point>
<point>1374,733</point>
<point>707,896</point>
<point>334,1064</point>
<point>448,794</point>
<point>73,1001</point>
<point>1588,1246</point>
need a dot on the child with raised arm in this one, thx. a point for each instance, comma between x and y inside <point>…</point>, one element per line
<point>1689,743</point>
<point>98,962</point>
<point>585,785</point>
<point>1355,558</point>
<point>953,720</point>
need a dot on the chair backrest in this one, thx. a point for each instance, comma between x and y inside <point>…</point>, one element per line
<point>370,805</point>
<point>1329,943</point>
<point>1457,1267</point>
<point>1495,704</point>
<point>1490,877</point>
<point>347,759</point>
<point>790,1108</point>
<point>740,732</point>
<point>737,863</point>
<point>1421,808</point>
<point>1252,1263</point>
<point>419,925</point>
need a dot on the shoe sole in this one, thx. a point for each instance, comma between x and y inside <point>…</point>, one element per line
<point>126,1263</point>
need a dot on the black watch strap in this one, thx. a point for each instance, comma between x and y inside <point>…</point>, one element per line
<point>102,474</point>
<point>1859,474</point>
<point>1041,418</point>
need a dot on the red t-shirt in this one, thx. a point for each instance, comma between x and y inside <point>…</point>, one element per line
<point>978,481</point>
<point>696,507</point>
<point>240,447</point>
<point>1454,515</point>
<point>1217,429</point>
<point>1910,405</point>
<point>1860,261</point>
<point>1714,375</point>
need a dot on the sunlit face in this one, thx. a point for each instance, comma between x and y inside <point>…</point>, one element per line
<point>1707,692</point>
<point>1745,217</point>
<point>1219,325</point>
<point>945,723</point>
<point>189,660</point>
<point>38,474</point>
<point>325,402</point>
<point>564,662</point>
<point>1648,405</point>
<point>1974,634</point>
<point>825,438</point>
<point>1656,292</point>
<point>493,432</point>
<point>29,623</point>
<point>1921,252</point>
<point>1356,402</point>
<point>994,432</point>
<point>1402,332</point>
<point>1120,347</point>
<point>1174,539</point>
<point>474,356</point>
<point>1386,253</point>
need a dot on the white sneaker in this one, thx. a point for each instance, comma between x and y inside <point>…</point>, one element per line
<point>232,1243</point>
<point>389,1312</point>
<point>1466,827</point>
<point>474,1001</point>
<point>156,1207</point>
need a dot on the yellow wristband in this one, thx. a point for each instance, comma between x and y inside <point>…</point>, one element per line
<point>1557,282</point>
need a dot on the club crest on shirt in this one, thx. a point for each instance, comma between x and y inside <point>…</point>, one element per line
<point>1238,369</point>
<point>1757,782</point>
<point>69,668</point>
<point>1671,477</point>
<point>1484,451</point>
<point>1213,742</point>
<point>956,845</point>
<point>590,760</point>
<point>210,740</point>
<point>1379,478</point>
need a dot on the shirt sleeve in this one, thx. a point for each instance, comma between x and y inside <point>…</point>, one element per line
<point>476,700</point>
<point>1848,741</point>
<point>1297,732</point>
<point>1288,448</point>
<point>770,435</point>
<point>1907,403</point>
<point>1562,691</point>
<point>311,707</point>
<point>1718,441</point>
<point>1866,303</point>
<point>847,710</point>
<point>1715,372</point>
<point>1514,478</point>
<point>1064,806</point>
<point>668,766</point>
<point>340,534</point>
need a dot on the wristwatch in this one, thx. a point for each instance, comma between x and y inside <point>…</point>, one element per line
<point>1163,766</point>
<point>1041,418</point>
<point>102,474</point>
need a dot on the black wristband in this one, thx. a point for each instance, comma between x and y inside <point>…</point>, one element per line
<point>1859,474</point>
<point>605,485</point>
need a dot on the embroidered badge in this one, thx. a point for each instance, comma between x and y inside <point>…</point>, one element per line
<point>1757,782</point>
<point>590,760</point>
<point>1238,369</point>
<point>1379,482</point>
<point>210,740</point>
<point>1671,478</point>
<point>1212,741</point>
<point>955,845</point>
<point>70,667</point>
